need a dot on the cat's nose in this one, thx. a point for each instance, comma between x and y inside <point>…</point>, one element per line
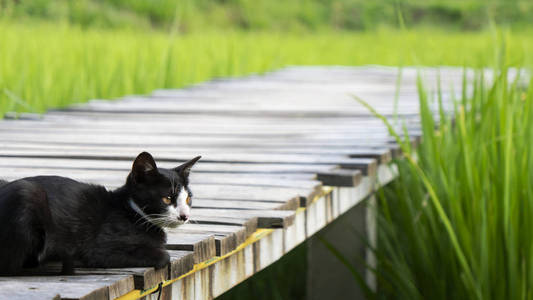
<point>183,218</point>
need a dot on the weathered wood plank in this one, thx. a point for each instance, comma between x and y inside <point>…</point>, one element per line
<point>173,140</point>
<point>181,262</point>
<point>249,223</point>
<point>167,155</point>
<point>285,197</point>
<point>367,166</point>
<point>233,110</point>
<point>227,237</point>
<point>195,135</point>
<point>117,177</point>
<point>122,280</point>
<point>221,204</point>
<point>19,290</point>
<point>340,177</point>
<point>117,284</point>
<point>225,126</point>
<point>382,153</point>
<point>69,287</point>
<point>143,278</point>
<point>265,218</point>
<point>203,245</point>
<point>125,165</point>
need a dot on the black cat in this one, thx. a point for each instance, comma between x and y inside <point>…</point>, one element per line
<point>50,217</point>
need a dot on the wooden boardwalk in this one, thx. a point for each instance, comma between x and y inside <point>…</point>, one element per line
<point>284,154</point>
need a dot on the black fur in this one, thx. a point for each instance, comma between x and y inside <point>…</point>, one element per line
<point>50,217</point>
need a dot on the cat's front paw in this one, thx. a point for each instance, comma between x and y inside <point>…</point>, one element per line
<point>163,260</point>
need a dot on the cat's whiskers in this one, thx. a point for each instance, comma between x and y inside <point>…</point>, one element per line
<point>150,220</point>
<point>161,220</point>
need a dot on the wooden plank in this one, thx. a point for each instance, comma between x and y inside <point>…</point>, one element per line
<point>223,98</point>
<point>285,197</point>
<point>117,284</point>
<point>174,140</point>
<point>69,167</point>
<point>209,145</point>
<point>242,201</point>
<point>181,262</point>
<point>277,100</point>
<point>256,91</point>
<point>117,177</point>
<point>221,121</point>
<point>241,111</point>
<point>273,194</point>
<point>61,167</point>
<point>203,245</point>
<point>312,107</point>
<point>187,127</point>
<point>250,223</point>
<point>177,158</point>
<point>227,237</point>
<point>168,155</point>
<point>226,127</point>
<point>69,287</point>
<point>312,113</point>
<point>221,204</point>
<point>340,177</point>
<point>367,166</point>
<point>19,290</point>
<point>382,153</point>
<point>125,165</point>
<point>226,130</point>
<point>143,278</point>
<point>225,242</point>
<point>265,218</point>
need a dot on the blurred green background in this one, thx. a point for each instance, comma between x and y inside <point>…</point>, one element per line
<point>55,53</point>
<point>293,15</point>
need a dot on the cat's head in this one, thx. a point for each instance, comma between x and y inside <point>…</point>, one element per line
<point>162,195</point>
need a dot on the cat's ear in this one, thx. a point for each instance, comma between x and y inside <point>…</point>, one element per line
<point>185,169</point>
<point>143,165</point>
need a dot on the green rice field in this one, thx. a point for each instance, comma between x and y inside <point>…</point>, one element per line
<point>47,65</point>
<point>457,222</point>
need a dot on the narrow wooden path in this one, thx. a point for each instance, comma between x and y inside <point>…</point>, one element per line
<point>284,154</point>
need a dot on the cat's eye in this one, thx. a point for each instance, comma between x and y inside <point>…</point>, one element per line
<point>167,200</point>
<point>188,200</point>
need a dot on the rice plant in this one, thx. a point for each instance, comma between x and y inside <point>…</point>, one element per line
<point>457,224</point>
